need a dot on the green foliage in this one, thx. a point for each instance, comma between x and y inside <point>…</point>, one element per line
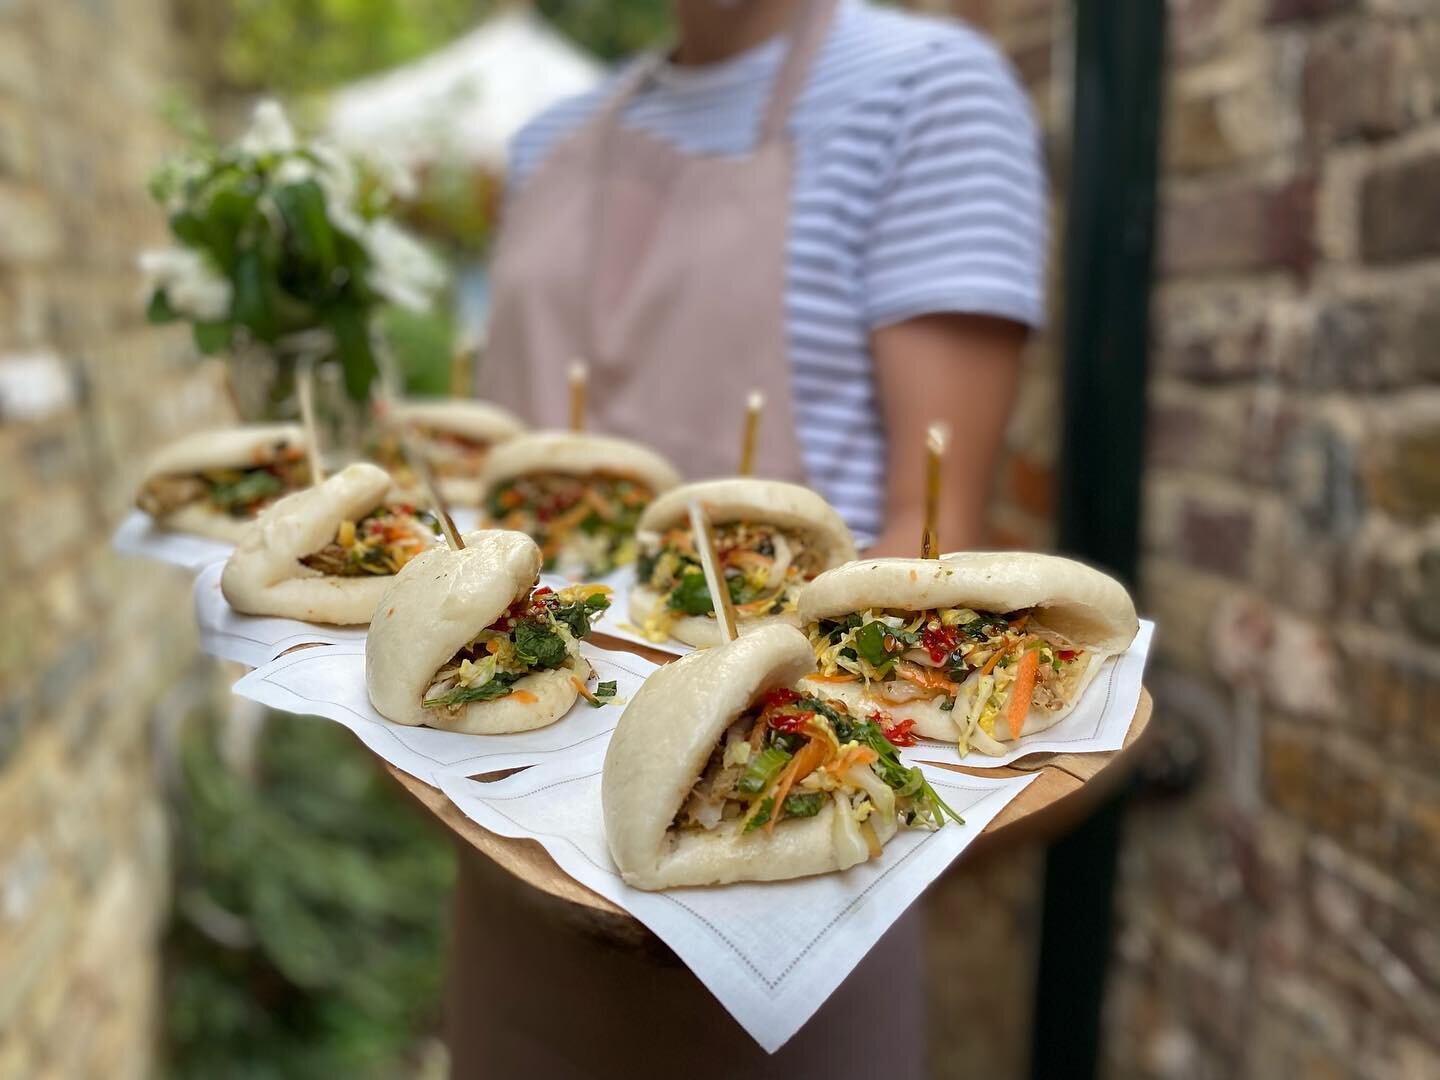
<point>609,29</point>
<point>308,934</point>
<point>422,343</point>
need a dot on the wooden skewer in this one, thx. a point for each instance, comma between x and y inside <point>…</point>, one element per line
<point>754,406</point>
<point>305,388</point>
<point>419,467</point>
<point>579,379</point>
<point>714,578</point>
<point>935,439</point>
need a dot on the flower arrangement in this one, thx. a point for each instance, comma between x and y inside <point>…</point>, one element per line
<point>279,240</point>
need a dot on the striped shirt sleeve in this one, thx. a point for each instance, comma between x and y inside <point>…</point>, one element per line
<point>961,221</point>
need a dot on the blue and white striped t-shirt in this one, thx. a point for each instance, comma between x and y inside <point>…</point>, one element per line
<point>918,188</point>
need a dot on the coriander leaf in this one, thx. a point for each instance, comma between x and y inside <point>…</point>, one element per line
<point>606,689</point>
<point>497,686</point>
<point>691,595</point>
<point>807,804</point>
<point>538,646</point>
<point>761,816</point>
<point>870,642</point>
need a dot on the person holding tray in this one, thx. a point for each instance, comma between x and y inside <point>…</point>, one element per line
<point>838,204</point>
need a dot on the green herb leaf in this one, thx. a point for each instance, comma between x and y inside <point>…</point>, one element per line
<point>806,804</point>
<point>870,643</point>
<point>538,645</point>
<point>496,687</point>
<point>250,488</point>
<point>606,689</point>
<point>691,595</point>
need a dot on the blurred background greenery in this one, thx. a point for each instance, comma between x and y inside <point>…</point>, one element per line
<point>308,932</point>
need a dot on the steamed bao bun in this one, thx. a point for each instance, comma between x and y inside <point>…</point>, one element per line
<point>661,746</point>
<point>1084,605</point>
<point>264,575</point>
<point>790,508</point>
<point>435,606</point>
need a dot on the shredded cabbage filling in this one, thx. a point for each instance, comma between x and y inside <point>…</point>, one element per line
<point>240,493</point>
<point>586,523</point>
<point>953,655</point>
<point>378,544</point>
<point>791,754</point>
<point>540,631</point>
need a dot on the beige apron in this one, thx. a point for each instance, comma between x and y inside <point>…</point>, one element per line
<point>665,271</point>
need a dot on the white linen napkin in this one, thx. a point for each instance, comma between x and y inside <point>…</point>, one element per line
<point>329,681</point>
<point>254,640</point>
<point>770,952</point>
<point>139,535</point>
<point>1099,723</point>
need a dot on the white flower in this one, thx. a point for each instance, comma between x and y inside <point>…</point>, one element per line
<point>336,177</point>
<point>401,270</point>
<point>193,287</point>
<point>270,132</point>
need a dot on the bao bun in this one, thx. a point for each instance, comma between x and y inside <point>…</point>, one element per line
<point>478,421</point>
<point>226,448</point>
<point>264,575</point>
<point>577,454</point>
<point>1087,607</point>
<point>435,606</point>
<point>661,745</point>
<point>790,507</point>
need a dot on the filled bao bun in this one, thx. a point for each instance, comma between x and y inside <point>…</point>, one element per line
<point>477,422</point>
<point>578,454</point>
<point>1067,600</point>
<point>662,744</point>
<point>791,509</point>
<point>577,495</point>
<point>437,604</point>
<point>264,575</point>
<point>180,462</point>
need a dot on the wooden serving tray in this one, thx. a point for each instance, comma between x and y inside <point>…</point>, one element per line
<point>1069,788</point>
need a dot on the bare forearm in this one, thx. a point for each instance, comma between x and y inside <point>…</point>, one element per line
<point>961,371</point>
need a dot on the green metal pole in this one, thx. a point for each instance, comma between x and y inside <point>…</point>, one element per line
<point>1119,62</point>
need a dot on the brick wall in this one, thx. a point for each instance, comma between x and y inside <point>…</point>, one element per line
<point>90,651</point>
<point>1283,921</point>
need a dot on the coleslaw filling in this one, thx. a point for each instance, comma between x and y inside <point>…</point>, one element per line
<point>240,492</point>
<point>791,754</point>
<point>378,544</point>
<point>586,523</point>
<point>996,666</point>
<point>764,568</point>
<point>540,631</point>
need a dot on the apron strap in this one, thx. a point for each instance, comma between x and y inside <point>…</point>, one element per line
<point>811,25</point>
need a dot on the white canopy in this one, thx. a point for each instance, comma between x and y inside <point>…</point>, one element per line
<point>467,99</point>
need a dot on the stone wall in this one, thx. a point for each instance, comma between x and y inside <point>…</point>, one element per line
<point>1283,922</point>
<point>91,655</point>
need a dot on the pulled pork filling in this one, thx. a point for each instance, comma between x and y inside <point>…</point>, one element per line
<point>584,523</point>
<point>790,754</point>
<point>541,631</point>
<point>241,493</point>
<point>764,568</point>
<point>379,543</point>
<point>998,666</point>
<point>449,455</point>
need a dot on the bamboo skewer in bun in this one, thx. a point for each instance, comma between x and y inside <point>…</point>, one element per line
<point>214,483</point>
<point>772,537</point>
<point>463,641</point>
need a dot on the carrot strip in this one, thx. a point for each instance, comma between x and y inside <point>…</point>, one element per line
<point>586,694</point>
<point>525,697</point>
<point>1023,692</point>
<point>810,757</point>
<point>847,676</point>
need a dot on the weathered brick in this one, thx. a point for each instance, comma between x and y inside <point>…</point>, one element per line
<point>30,230</point>
<point>1239,226</point>
<point>1399,214</point>
<point>1405,471</point>
<point>1355,81</point>
<point>1218,534</point>
<point>1278,11</point>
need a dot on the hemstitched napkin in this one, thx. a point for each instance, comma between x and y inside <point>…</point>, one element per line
<point>254,640</point>
<point>329,681</point>
<point>1099,723</point>
<point>771,953</point>
<point>139,535</point>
